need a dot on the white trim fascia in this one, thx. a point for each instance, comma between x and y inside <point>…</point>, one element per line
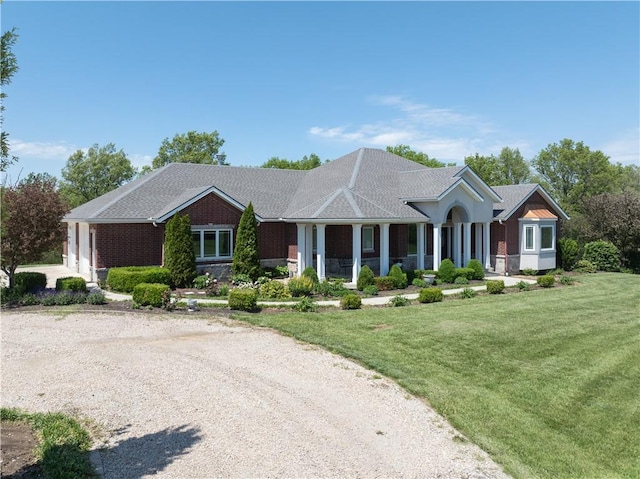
<point>495,196</point>
<point>110,221</point>
<point>545,195</point>
<point>360,221</point>
<point>464,184</point>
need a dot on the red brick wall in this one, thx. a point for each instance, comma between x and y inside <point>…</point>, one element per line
<point>128,245</point>
<point>274,239</point>
<point>212,209</point>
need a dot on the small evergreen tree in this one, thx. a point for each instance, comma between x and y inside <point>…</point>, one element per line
<point>365,278</point>
<point>447,271</point>
<point>246,257</point>
<point>399,278</point>
<point>179,257</point>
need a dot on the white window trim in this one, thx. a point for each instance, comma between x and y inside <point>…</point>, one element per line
<point>373,239</point>
<point>202,231</point>
<point>553,237</point>
<point>533,237</point>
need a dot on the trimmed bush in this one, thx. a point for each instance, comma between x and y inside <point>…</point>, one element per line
<point>384,283</point>
<point>302,286</point>
<point>71,283</point>
<point>29,282</point>
<point>309,272</point>
<point>350,301</point>
<point>604,255</point>
<point>399,278</point>
<point>126,278</point>
<point>585,266</point>
<point>466,273</point>
<point>179,257</point>
<point>398,301</point>
<point>149,294</point>
<point>305,305</point>
<point>365,278</point>
<point>569,253</point>
<point>495,286</point>
<point>478,269</point>
<point>546,281</point>
<point>370,290</point>
<point>447,271</point>
<point>430,295</point>
<point>419,282</point>
<point>461,280</point>
<point>243,299</point>
<point>274,290</point>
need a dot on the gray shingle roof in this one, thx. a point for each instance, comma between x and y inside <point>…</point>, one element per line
<point>365,184</point>
<point>513,196</point>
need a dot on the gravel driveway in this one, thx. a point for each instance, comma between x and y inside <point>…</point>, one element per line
<point>201,398</point>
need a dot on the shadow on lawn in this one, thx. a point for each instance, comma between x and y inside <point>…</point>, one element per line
<point>139,457</point>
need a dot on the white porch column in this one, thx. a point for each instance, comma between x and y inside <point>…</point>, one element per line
<point>478,254</point>
<point>436,246</point>
<point>486,247</point>
<point>302,248</point>
<point>466,255</point>
<point>308,251</point>
<point>422,245</point>
<point>384,249</point>
<point>320,255</point>
<point>356,252</point>
<point>456,244</point>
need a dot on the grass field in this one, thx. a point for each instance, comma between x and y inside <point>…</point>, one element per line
<point>546,381</point>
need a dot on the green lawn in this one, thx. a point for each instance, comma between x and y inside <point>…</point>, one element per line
<point>546,381</point>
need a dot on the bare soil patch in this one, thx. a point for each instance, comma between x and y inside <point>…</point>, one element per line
<point>17,460</point>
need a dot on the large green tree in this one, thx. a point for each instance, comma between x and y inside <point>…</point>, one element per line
<point>306,163</point>
<point>31,223</point>
<point>191,147</point>
<point>571,171</point>
<point>8,67</point>
<point>246,256</point>
<point>89,175</point>
<point>417,156</point>
<point>179,257</point>
<point>508,168</point>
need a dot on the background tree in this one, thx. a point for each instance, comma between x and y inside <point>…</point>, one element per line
<point>191,147</point>
<point>179,257</point>
<point>306,163</point>
<point>246,257</point>
<point>571,171</point>
<point>8,67</point>
<point>486,167</point>
<point>417,156</point>
<point>508,168</point>
<point>100,170</point>
<point>31,224</point>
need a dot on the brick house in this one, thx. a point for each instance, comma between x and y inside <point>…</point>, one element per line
<point>367,207</point>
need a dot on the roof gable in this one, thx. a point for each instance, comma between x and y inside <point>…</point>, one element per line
<point>514,196</point>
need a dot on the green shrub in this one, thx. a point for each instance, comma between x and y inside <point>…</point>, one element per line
<point>419,282</point>
<point>371,290</point>
<point>243,299</point>
<point>384,283</point>
<point>273,290</point>
<point>202,281</point>
<point>96,297</point>
<point>398,276</point>
<point>604,255</point>
<point>241,278</point>
<point>523,286</point>
<point>309,272</point>
<point>9,296</point>
<point>468,293</point>
<point>334,289</point>
<point>365,278</point>
<point>529,272</point>
<point>398,301</point>
<point>569,252</point>
<point>478,269</point>
<point>149,294</point>
<point>461,280</point>
<point>566,280</point>
<point>71,283</point>
<point>223,290</point>
<point>125,279</point>
<point>179,257</point>
<point>546,281</point>
<point>495,286</point>
<point>301,286</point>
<point>305,305</point>
<point>585,266</point>
<point>466,273</point>
<point>430,295</point>
<point>281,271</point>
<point>246,257</point>
<point>350,301</point>
<point>29,299</point>
<point>447,271</point>
<point>29,282</point>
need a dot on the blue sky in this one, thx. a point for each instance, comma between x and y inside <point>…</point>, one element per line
<point>292,78</point>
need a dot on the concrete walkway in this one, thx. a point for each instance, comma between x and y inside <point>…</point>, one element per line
<point>54,272</point>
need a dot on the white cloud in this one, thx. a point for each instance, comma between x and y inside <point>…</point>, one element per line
<point>443,133</point>
<point>625,148</point>
<point>139,160</point>
<point>42,150</point>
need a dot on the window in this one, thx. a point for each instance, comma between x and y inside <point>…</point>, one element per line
<point>212,244</point>
<point>529,244</point>
<point>546,237</point>
<point>367,238</point>
<point>412,240</point>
